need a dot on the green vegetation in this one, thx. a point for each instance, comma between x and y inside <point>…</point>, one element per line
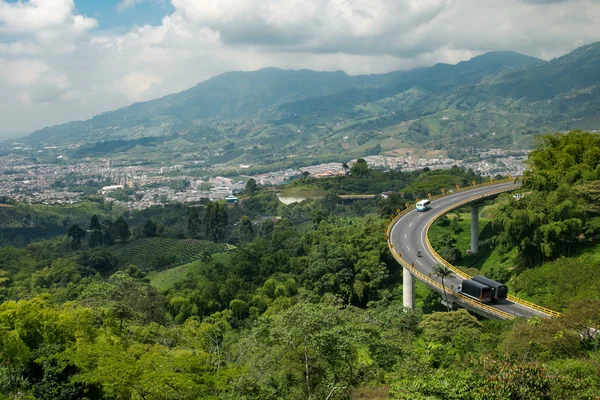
<point>274,119</point>
<point>157,253</point>
<point>303,191</point>
<point>553,218</point>
<point>561,282</point>
<point>450,236</point>
<point>544,243</point>
<point>167,279</point>
<point>411,184</point>
<point>265,301</point>
<point>25,223</point>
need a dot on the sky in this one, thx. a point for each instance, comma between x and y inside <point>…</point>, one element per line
<point>64,60</point>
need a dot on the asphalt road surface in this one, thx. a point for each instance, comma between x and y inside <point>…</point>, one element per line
<point>408,236</point>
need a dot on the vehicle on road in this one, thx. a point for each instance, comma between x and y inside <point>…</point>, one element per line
<point>475,290</point>
<point>499,291</point>
<point>418,253</point>
<point>424,205</point>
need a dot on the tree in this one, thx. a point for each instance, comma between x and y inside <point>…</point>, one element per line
<point>584,317</point>
<point>193,222</point>
<point>389,205</point>
<point>317,216</point>
<point>444,328</point>
<point>215,218</point>
<point>251,187</point>
<point>121,229</point>
<point>510,380</point>
<point>150,229</point>
<point>77,234</point>
<point>95,238</point>
<point>107,232</point>
<point>265,229</point>
<point>246,230</point>
<point>101,260</point>
<point>346,168</point>
<point>360,168</point>
<point>443,272</point>
<point>549,221</point>
<point>312,347</point>
<point>95,224</point>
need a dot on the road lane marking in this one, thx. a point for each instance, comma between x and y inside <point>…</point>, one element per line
<point>410,225</point>
<point>405,235</point>
<point>423,244</point>
<point>408,248</point>
<point>419,262</point>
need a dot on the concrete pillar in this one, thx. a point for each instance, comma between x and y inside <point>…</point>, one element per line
<point>474,229</point>
<point>408,289</point>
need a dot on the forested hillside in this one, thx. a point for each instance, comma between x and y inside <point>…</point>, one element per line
<point>295,302</point>
<point>236,95</point>
<point>279,118</point>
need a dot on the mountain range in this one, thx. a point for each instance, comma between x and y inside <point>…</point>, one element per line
<point>498,99</point>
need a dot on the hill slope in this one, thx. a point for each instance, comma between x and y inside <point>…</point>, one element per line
<point>246,94</point>
<point>498,99</point>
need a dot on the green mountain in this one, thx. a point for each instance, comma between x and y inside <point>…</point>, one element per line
<point>230,95</point>
<point>498,99</point>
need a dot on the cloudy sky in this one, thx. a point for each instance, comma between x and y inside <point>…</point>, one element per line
<point>63,60</point>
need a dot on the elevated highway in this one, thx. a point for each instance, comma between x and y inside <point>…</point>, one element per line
<point>407,233</point>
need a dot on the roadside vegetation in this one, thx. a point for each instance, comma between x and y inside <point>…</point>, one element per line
<point>545,243</point>
<point>266,301</point>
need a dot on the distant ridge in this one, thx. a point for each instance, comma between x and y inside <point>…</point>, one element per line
<point>242,94</point>
<point>498,99</point>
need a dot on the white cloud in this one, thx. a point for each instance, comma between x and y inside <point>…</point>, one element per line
<point>36,16</point>
<point>123,4</point>
<point>21,73</point>
<point>354,26</point>
<point>19,48</point>
<point>134,84</point>
<point>62,69</point>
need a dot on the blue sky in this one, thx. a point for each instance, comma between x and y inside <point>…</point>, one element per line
<point>64,60</point>
<point>110,16</point>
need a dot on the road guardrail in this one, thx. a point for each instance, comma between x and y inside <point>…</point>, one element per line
<point>462,274</point>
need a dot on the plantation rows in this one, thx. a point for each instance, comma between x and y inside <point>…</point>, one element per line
<point>159,253</point>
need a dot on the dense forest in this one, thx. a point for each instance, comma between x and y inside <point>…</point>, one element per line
<point>266,301</point>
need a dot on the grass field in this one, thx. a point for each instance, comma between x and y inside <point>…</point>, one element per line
<point>304,192</point>
<point>487,257</point>
<point>165,280</point>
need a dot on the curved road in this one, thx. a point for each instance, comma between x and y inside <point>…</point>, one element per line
<point>408,235</point>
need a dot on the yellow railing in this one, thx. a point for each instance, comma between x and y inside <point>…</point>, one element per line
<point>431,282</point>
<point>457,271</point>
<point>529,304</point>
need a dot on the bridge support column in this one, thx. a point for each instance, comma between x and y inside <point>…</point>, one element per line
<point>408,289</point>
<point>474,229</point>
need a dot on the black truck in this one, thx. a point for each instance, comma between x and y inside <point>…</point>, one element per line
<point>499,291</point>
<point>476,290</point>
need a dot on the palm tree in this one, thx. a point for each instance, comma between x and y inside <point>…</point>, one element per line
<point>345,167</point>
<point>443,272</point>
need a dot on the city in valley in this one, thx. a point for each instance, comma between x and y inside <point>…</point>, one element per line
<point>138,186</point>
